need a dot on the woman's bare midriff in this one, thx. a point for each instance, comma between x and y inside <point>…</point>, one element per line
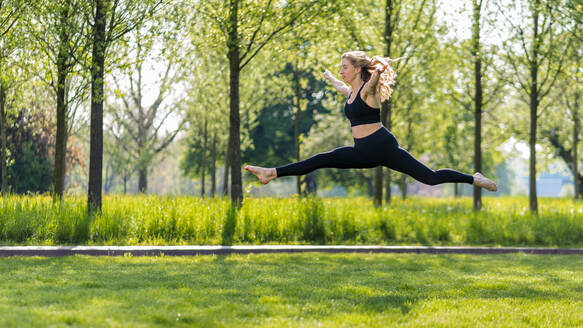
<point>363,130</point>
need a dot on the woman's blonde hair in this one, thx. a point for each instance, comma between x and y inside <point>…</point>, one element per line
<point>368,65</point>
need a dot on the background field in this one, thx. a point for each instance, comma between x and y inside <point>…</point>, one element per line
<point>157,220</point>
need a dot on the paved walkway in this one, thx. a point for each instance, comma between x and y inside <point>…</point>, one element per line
<point>209,250</point>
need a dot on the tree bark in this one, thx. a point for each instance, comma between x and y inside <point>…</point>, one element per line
<point>226,173</point>
<point>203,164</point>
<point>108,177</point>
<point>566,155</point>
<point>403,186</point>
<point>477,101</point>
<point>96,136</point>
<point>214,165</point>
<point>575,145</point>
<point>385,114</point>
<point>3,161</point>
<point>143,180</point>
<point>296,119</point>
<point>234,117</point>
<point>533,111</point>
<point>61,139</point>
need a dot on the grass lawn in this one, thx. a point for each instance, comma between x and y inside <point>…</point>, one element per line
<point>293,290</point>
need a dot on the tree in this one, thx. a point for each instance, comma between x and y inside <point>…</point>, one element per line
<point>11,12</point>
<point>119,163</point>
<point>536,69</point>
<point>478,92</point>
<point>245,28</point>
<point>566,99</point>
<point>110,20</point>
<point>30,138</point>
<point>60,33</point>
<point>207,94</point>
<point>143,122</point>
<point>478,96</point>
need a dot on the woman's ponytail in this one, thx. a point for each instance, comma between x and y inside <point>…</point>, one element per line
<point>387,77</point>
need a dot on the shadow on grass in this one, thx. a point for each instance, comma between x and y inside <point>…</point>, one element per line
<point>229,225</point>
<point>256,287</point>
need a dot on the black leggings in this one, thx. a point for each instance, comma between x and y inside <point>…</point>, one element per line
<point>378,148</point>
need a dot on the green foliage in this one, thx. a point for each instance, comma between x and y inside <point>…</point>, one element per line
<point>31,170</point>
<point>28,140</point>
<point>272,137</point>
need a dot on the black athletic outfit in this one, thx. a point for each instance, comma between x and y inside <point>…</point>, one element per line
<point>378,148</point>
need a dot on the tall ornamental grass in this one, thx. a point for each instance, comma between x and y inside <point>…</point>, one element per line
<point>165,220</point>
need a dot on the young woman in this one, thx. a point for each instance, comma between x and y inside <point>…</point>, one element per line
<point>370,80</point>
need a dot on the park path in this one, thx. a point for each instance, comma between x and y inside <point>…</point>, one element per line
<point>52,251</point>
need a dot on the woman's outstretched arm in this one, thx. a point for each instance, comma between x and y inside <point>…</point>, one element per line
<point>339,85</point>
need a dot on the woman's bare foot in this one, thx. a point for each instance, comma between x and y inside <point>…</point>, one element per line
<point>483,182</point>
<point>264,174</point>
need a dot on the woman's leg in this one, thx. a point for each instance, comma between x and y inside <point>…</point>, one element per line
<point>342,158</point>
<point>400,160</point>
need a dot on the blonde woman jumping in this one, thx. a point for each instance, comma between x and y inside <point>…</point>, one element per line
<point>374,145</point>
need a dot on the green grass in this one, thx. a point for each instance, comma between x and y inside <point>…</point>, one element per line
<point>164,220</point>
<point>293,290</point>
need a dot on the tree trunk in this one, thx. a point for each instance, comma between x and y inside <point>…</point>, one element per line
<point>214,165</point>
<point>575,145</point>
<point>296,119</point>
<point>387,107</point>
<point>203,164</point>
<point>567,155</point>
<point>533,111</point>
<point>96,136</point>
<point>385,114</point>
<point>378,186</point>
<point>108,178</point>
<point>61,139</point>
<point>226,174</point>
<point>143,180</point>
<point>3,161</point>
<point>403,186</point>
<point>234,119</point>
<point>477,102</point>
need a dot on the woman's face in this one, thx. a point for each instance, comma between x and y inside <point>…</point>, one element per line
<point>348,71</point>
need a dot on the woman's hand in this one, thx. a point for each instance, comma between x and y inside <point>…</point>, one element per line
<point>339,85</point>
<point>378,70</point>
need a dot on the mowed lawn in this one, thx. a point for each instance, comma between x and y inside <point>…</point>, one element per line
<point>293,290</point>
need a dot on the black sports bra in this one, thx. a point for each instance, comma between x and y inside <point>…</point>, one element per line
<point>359,112</point>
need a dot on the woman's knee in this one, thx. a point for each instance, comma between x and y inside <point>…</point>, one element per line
<point>432,179</point>
<point>429,177</point>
